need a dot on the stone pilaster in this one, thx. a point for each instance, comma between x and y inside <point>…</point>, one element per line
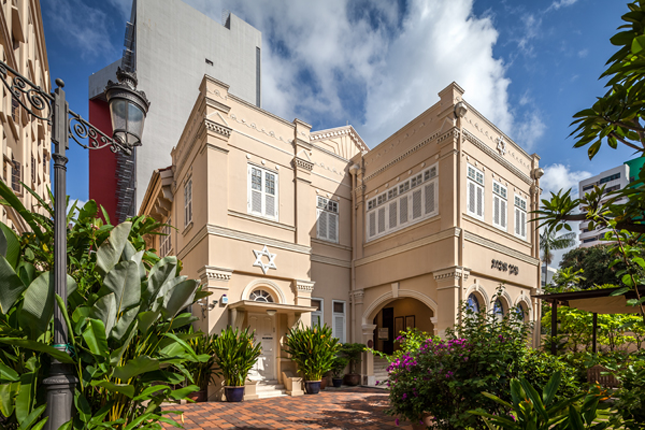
<point>448,292</point>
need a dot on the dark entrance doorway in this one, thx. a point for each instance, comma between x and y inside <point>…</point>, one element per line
<point>388,322</point>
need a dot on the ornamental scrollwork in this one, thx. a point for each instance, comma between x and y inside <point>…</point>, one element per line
<point>80,129</point>
<point>39,102</point>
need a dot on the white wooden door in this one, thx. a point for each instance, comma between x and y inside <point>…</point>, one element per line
<point>264,326</point>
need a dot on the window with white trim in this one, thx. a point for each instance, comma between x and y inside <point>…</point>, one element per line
<point>188,202</point>
<point>262,192</point>
<point>475,192</point>
<point>317,316</point>
<point>165,241</point>
<point>500,206</point>
<point>520,217</point>
<point>405,204</point>
<point>338,317</point>
<point>327,219</point>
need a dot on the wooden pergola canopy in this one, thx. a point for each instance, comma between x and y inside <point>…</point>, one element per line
<point>594,301</point>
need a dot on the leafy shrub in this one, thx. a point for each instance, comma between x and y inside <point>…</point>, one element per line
<point>530,410</point>
<point>313,349</point>
<point>122,307</point>
<point>537,367</point>
<point>445,378</point>
<point>352,352</point>
<point>202,371</point>
<point>235,355</point>
<point>631,395</point>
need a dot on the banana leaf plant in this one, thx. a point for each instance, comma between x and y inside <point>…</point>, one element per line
<point>123,309</point>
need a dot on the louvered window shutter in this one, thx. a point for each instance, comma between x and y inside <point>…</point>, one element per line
<point>523,224</point>
<point>372,224</point>
<point>393,214</point>
<point>339,327</point>
<point>480,202</point>
<point>502,210</point>
<point>381,220</point>
<point>332,225</point>
<point>322,224</point>
<point>471,198</point>
<point>496,210</point>
<point>430,198</point>
<point>518,230</point>
<point>416,204</point>
<point>270,188</point>
<point>403,209</point>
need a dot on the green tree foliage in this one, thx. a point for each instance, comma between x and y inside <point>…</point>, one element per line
<point>596,264</point>
<point>122,307</point>
<point>313,349</point>
<point>550,242</point>
<point>235,354</point>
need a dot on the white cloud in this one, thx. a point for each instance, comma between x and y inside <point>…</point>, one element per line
<point>558,176</point>
<point>583,53</point>
<point>371,64</point>
<point>557,4</point>
<point>124,6</point>
<point>529,132</point>
<point>83,27</point>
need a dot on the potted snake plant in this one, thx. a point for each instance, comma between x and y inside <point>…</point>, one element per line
<point>235,355</point>
<point>313,349</point>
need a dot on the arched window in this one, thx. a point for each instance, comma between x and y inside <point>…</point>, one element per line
<point>261,296</point>
<point>498,309</point>
<point>521,313</point>
<point>473,303</point>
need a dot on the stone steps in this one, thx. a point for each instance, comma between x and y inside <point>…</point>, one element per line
<point>267,391</point>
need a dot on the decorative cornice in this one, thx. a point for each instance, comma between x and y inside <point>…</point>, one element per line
<point>495,156</point>
<point>454,133</point>
<point>228,233</point>
<point>331,261</point>
<point>304,286</point>
<point>207,273</point>
<point>472,237</point>
<point>442,235</point>
<point>303,164</point>
<point>454,272</point>
<point>217,128</point>
<point>260,220</point>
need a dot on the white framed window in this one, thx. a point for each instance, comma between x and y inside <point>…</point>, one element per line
<point>318,316</point>
<point>405,204</point>
<point>475,192</point>
<point>500,206</point>
<point>338,317</point>
<point>165,241</point>
<point>262,192</point>
<point>188,202</point>
<point>520,217</point>
<point>327,219</point>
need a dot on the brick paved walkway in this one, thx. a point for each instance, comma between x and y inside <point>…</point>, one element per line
<point>356,408</point>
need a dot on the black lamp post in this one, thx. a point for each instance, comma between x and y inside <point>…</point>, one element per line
<point>128,108</point>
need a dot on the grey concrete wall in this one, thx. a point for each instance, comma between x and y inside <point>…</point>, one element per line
<point>173,41</point>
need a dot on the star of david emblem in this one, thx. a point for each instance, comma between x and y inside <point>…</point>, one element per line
<point>259,263</point>
<point>501,145</point>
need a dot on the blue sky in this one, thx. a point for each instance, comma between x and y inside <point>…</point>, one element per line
<point>527,65</point>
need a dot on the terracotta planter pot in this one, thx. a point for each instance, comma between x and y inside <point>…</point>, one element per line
<point>352,379</point>
<point>312,387</point>
<point>323,382</point>
<point>234,394</point>
<point>198,396</point>
<point>337,382</point>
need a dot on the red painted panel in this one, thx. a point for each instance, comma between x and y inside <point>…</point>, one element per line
<point>103,162</point>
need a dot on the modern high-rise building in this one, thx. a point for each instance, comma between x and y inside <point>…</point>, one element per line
<point>25,139</point>
<point>170,46</point>
<point>613,179</point>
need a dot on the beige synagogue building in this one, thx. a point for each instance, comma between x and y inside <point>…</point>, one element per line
<point>288,225</point>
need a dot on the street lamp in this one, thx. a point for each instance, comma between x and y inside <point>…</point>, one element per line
<point>128,108</point>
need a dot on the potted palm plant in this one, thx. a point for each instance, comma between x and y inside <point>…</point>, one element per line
<point>235,355</point>
<point>202,372</point>
<point>313,350</point>
<point>352,352</point>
